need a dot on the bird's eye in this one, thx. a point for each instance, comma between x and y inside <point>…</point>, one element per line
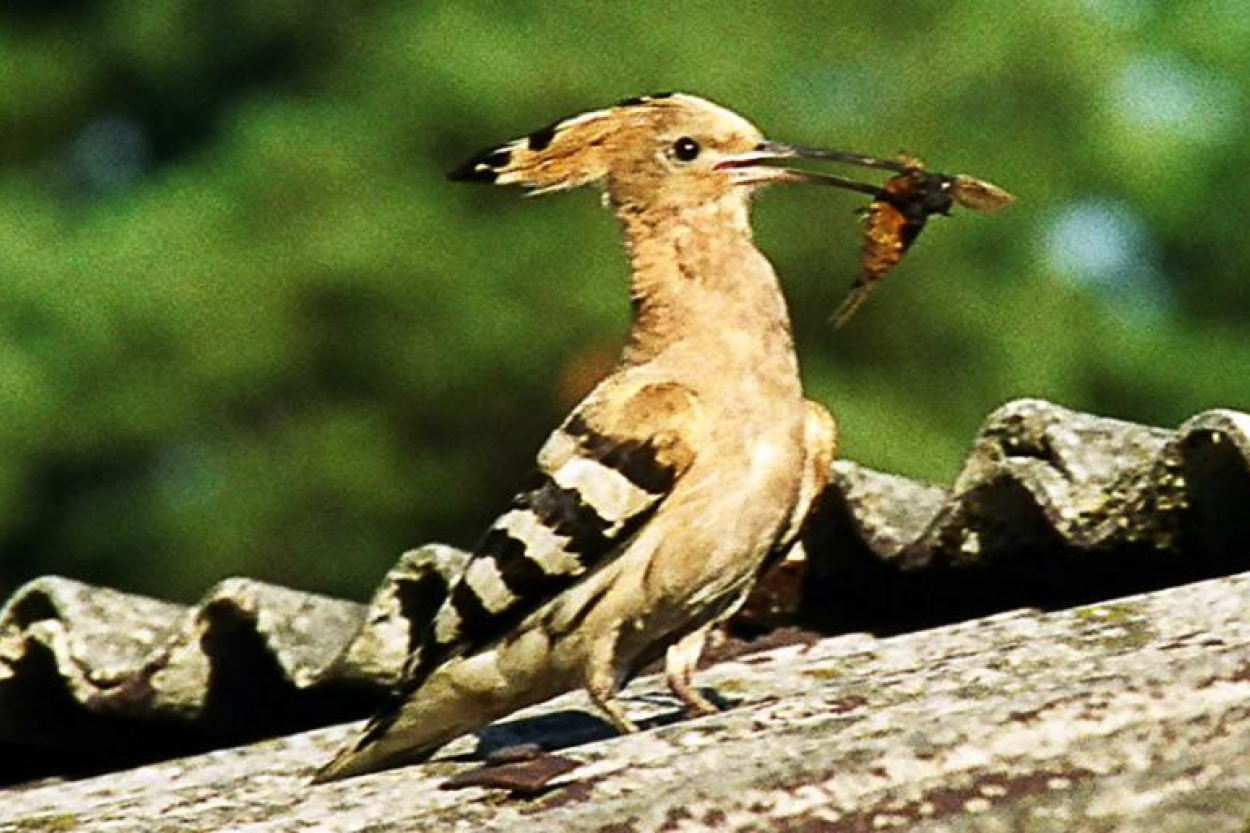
<point>686,149</point>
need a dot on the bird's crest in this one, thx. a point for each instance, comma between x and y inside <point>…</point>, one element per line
<point>577,150</point>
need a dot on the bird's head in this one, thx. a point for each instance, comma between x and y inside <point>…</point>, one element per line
<point>661,150</point>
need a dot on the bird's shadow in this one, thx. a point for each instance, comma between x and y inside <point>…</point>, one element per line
<point>570,728</point>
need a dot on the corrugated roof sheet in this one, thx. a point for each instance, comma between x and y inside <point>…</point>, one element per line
<point>1051,508</point>
<point>1132,715</point>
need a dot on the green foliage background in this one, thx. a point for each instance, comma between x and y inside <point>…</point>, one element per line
<point>246,326</point>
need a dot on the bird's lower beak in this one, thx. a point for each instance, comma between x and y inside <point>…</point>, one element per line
<point>757,167</point>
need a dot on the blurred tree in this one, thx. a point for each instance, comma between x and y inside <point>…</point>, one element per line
<point>247,328</point>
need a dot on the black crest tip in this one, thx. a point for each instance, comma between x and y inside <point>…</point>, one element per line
<point>484,167</point>
<point>643,99</point>
<point>541,138</point>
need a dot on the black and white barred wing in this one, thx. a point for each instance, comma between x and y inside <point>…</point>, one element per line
<point>601,476</point>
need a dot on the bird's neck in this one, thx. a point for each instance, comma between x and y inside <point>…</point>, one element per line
<point>701,287</point>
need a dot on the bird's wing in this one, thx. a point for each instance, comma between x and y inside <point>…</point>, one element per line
<point>600,476</point>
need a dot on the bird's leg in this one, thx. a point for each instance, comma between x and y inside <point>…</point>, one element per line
<point>679,666</point>
<point>606,702</point>
<point>602,683</point>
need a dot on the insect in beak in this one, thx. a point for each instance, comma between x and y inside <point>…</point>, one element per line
<point>898,211</point>
<point>898,214</point>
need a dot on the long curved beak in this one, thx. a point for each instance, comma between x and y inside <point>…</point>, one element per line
<point>754,168</point>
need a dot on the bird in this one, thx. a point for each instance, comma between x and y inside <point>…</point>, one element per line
<point>671,485</point>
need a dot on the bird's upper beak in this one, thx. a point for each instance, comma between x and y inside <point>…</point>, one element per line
<point>754,168</point>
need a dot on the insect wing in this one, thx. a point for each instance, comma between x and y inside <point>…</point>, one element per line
<point>979,195</point>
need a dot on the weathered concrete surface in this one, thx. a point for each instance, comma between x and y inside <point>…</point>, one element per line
<point>1053,508</point>
<point>92,679</point>
<point>1126,715</point>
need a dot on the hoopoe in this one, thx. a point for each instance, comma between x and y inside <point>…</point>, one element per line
<point>661,496</point>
